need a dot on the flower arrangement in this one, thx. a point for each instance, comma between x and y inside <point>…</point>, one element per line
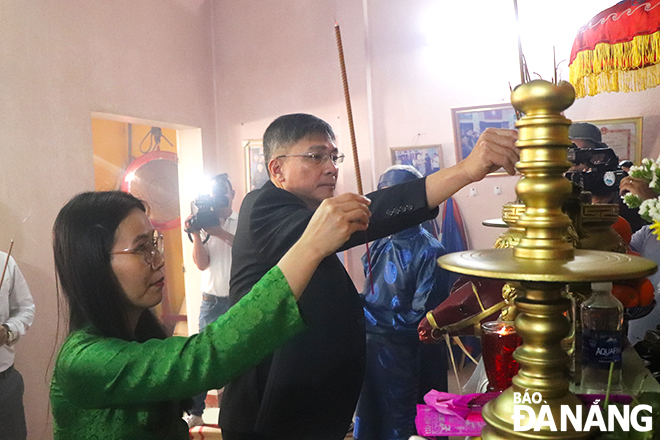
<point>649,209</point>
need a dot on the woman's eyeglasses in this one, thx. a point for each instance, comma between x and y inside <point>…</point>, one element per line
<point>149,250</point>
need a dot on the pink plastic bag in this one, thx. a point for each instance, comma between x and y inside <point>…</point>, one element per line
<point>451,414</point>
<point>430,422</point>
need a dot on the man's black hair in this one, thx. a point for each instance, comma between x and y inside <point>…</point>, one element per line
<point>287,130</point>
<point>220,183</point>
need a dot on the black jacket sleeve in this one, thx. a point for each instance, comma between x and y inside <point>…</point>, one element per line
<point>394,209</point>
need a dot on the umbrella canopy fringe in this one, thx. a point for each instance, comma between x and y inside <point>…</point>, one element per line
<point>629,66</point>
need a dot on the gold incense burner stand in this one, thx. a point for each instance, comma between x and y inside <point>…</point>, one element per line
<point>544,261</point>
<point>591,228</point>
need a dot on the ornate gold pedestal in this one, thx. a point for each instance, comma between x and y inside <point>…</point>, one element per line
<point>592,227</point>
<point>543,261</point>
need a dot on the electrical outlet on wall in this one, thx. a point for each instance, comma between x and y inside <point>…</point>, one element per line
<point>497,190</point>
<point>473,192</point>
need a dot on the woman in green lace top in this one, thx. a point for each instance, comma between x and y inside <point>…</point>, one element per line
<point>117,375</point>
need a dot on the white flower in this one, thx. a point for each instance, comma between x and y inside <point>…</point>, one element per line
<point>651,209</point>
<point>654,183</point>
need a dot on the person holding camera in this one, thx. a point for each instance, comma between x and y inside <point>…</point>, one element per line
<point>212,255</point>
<point>604,169</point>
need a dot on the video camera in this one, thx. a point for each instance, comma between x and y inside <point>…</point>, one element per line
<point>204,209</point>
<point>602,174</point>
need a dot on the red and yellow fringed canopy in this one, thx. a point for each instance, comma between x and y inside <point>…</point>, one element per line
<point>618,50</point>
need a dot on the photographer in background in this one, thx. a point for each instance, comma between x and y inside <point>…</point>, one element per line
<point>595,165</point>
<point>596,169</point>
<point>212,255</point>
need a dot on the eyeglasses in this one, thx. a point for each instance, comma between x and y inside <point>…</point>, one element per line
<point>317,158</point>
<point>149,250</point>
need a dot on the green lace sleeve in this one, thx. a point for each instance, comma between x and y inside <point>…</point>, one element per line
<point>95,371</point>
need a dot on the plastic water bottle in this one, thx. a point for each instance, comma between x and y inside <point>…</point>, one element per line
<point>602,340</point>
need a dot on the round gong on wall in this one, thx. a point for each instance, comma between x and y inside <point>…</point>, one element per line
<point>154,179</point>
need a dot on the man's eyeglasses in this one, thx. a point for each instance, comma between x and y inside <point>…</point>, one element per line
<point>317,158</point>
<point>149,250</point>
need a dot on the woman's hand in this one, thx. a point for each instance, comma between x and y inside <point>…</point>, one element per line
<point>637,187</point>
<point>333,222</point>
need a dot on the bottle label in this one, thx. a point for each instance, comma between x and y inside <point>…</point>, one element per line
<point>601,348</point>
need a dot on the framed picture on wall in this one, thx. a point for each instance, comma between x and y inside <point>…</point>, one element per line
<point>624,136</point>
<point>470,122</point>
<point>425,158</point>
<point>255,165</point>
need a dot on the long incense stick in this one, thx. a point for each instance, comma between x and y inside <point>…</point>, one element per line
<point>524,73</point>
<point>520,53</point>
<point>2,279</point>
<point>347,98</point>
<point>356,161</point>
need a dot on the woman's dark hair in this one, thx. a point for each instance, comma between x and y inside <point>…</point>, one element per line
<point>83,236</point>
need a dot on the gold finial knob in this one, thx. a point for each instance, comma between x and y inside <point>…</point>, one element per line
<point>540,96</point>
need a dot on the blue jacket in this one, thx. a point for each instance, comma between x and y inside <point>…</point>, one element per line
<point>407,281</point>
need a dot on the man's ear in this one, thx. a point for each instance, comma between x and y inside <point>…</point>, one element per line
<point>275,170</point>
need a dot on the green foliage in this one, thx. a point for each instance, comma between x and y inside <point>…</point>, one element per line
<point>652,399</point>
<point>632,201</point>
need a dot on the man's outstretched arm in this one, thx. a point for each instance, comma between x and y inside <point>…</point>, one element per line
<point>495,149</point>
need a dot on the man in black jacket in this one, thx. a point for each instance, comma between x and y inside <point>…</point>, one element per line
<point>308,388</point>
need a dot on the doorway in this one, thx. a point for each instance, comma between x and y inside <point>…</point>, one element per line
<point>158,163</point>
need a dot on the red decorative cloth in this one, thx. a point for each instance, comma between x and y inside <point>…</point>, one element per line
<point>618,50</point>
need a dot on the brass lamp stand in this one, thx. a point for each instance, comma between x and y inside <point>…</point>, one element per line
<point>544,262</point>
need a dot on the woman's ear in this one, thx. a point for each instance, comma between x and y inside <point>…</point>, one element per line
<point>275,170</point>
